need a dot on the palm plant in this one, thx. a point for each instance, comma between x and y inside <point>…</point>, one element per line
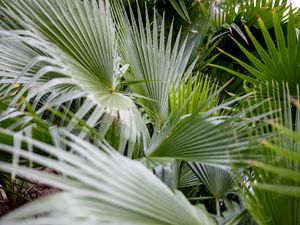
<point>136,129</point>
<point>60,67</point>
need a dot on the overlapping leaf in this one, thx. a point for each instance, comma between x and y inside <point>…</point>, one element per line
<point>133,196</point>
<point>68,50</point>
<point>201,137</point>
<point>279,62</point>
<point>219,181</point>
<point>155,61</point>
<point>271,191</point>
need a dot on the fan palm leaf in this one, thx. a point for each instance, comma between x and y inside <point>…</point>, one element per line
<point>202,137</point>
<point>219,181</point>
<point>155,61</point>
<point>69,49</point>
<point>187,177</point>
<point>91,195</point>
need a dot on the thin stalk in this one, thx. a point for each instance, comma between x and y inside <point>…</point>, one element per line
<point>201,198</point>
<point>218,207</point>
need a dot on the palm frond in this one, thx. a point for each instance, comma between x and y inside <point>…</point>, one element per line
<point>279,62</point>
<point>154,60</point>
<point>187,178</point>
<point>188,96</point>
<point>91,195</point>
<point>68,49</point>
<point>219,181</point>
<point>237,11</point>
<point>201,137</point>
<point>271,190</point>
<point>181,8</point>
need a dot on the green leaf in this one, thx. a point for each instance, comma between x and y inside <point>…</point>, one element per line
<point>67,51</point>
<point>92,196</point>
<point>153,57</point>
<point>181,9</point>
<point>271,187</point>
<point>215,140</point>
<point>219,181</point>
<point>279,60</point>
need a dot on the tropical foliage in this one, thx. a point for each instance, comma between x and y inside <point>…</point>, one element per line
<point>149,112</point>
